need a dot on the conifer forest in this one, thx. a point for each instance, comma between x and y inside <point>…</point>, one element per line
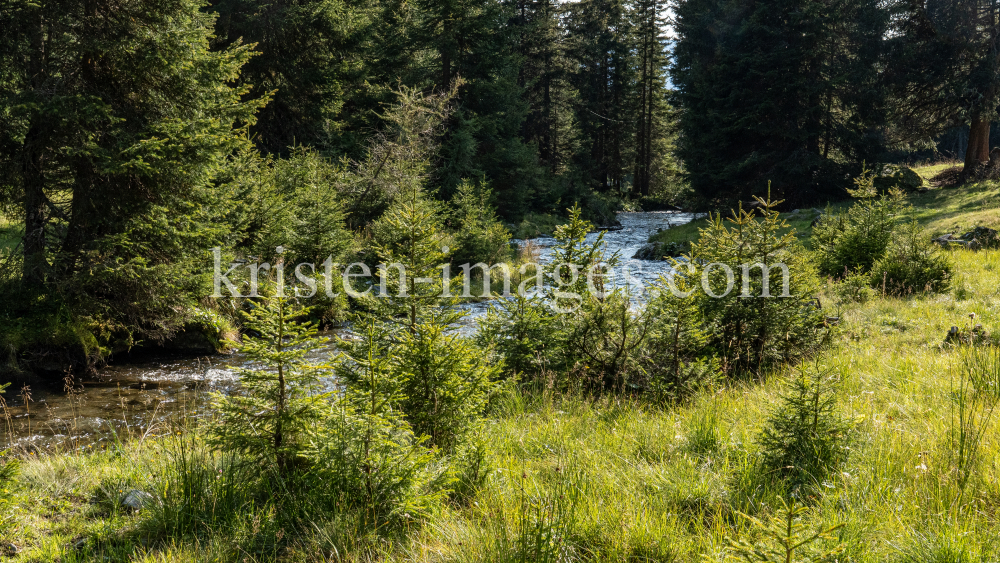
<point>499,281</point>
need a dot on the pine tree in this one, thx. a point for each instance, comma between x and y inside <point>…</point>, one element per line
<point>113,119</point>
<point>601,39</point>
<point>946,71</point>
<point>805,439</point>
<point>752,329</point>
<point>267,417</point>
<point>310,61</point>
<point>767,94</point>
<point>543,75</point>
<point>412,247</point>
<point>441,380</point>
<point>367,449</point>
<point>651,57</point>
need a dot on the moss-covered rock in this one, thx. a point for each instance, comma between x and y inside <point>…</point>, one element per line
<point>206,333</point>
<point>662,250</point>
<point>894,176</point>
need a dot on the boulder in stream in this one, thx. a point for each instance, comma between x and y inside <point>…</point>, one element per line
<point>661,250</point>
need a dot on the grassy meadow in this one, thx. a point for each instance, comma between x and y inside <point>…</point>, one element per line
<point>567,477</point>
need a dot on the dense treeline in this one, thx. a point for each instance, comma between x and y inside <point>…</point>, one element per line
<point>135,136</point>
<point>800,93</point>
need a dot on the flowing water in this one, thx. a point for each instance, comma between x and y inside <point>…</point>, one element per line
<point>136,395</point>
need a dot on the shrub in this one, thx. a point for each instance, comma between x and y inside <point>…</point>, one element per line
<point>912,264</point>
<point>855,240</point>
<point>266,417</point>
<point>786,539</point>
<point>605,338</point>
<point>529,333</point>
<point>523,331</point>
<point>446,381</point>
<point>366,452</point>
<point>854,287</point>
<point>411,234</point>
<point>600,334</point>
<point>749,331</point>
<point>479,234</point>
<point>443,379</point>
<point>805,438</point>
<point>677,360</point>
<point>315,230</point>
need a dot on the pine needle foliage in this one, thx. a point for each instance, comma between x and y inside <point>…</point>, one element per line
<point>479,234</point>
<point>573,256</point>
<point>787,539</point>
<point>446,383</point>
<point>412,246</point>
<point>911,264</point>
<point>755,325</point>
<point>853,241</point>
<point>677,358</point>
<point>279,398</point>
<point>442,380</point>
<point>365,449</point>
<point>521,330</point>
<point>805,438</point>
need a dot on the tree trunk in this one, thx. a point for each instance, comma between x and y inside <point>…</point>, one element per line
<point>446,55</point>
<point>979,145</point>
<point>33,147</point>
<point>33,270</point>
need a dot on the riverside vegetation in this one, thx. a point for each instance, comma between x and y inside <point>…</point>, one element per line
<point>687,430</point>
<point>851,421</point>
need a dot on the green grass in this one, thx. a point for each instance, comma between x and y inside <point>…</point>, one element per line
<point>689,232</point>
<point>929,171</point>
<point>10,233</point>
<point>939,211</point>
<point>575,479</point>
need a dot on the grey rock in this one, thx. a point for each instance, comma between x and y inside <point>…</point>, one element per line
<point>136,500</point>
<point>192,340</point>
<point>982,237</point>
<point>651,251</point>
<point>661,251</point>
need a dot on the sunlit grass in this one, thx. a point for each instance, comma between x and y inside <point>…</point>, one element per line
<point>10,233</point>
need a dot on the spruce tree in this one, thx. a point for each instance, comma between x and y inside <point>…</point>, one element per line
<point>651,57</point>
<point>805,438</point>
<point>601,47</point>
<point>278,399</point>
<point>440,380</point>
<point>311,61</point>
<point>945,71</point>
<point>769,94</point>
<point>113,119</point>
